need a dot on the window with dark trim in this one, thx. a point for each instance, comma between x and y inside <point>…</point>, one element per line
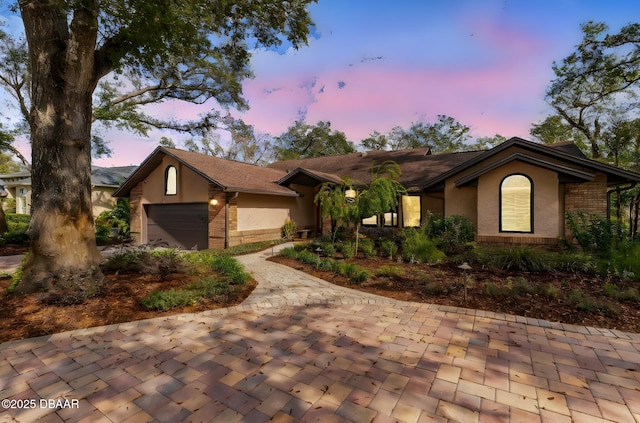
<point>516,204</point>
<point>171,181</point>
<point>389,219</point>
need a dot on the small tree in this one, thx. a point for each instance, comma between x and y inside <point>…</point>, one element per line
<point>380,196</point>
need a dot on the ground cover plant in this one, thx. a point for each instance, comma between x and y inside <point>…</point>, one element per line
<point>141,283</point>
<point>560,286</point>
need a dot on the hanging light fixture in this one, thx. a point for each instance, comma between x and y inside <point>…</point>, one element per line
<point>350,195</point>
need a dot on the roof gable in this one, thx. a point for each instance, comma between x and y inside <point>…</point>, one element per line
<point>229,175</point>
<point>417,164</point>
<point>561,153</point>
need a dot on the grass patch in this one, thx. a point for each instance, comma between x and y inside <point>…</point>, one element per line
<point>207,288</point>
<point>522,258</point>
<point>239,250</point>
<point>390,271</point>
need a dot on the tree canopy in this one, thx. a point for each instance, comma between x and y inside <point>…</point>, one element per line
<point>444,136</point>
<point>78,51</point>
<point>302,140</point>
<point>598,80</point>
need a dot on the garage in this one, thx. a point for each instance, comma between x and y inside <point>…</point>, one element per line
<point>178,225</point>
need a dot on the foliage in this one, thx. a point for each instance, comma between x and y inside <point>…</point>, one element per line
<point>118,217</point>
<point>252,247</point>
<point>17,225</point>
<point>207,287</point>
<point>572,262</point>
<point>289,252</point>
<point>348,249</point>
<point>593,232</point>
<point>587,303</point>
<point>389,247</point>
<point>166,300</point>
<point>390,271</point>
<point>444,136</point>
<point>598,80</point>
<point>523,258</point>
<point>302,140</point>
<point>417,247</point>
<point>553,130</point>
<point>625,262</point>
<point>145,260</point>
<point>453,233</point>
<point>368,248</point>
<point>103,233</point>
<point>289,229</point>
<point>17,275</point>
<point>231,268</point>
<point>138,53</point>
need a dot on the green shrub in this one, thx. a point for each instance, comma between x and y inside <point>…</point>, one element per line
<point>453,233</point>
<point>416,247</point>
<point>368,248</point>
<point>593,232</point>
<point>302,247</point>
<point>289,229</point>
<point>166,300</point>
<point>348,249</point>
<point>103,234</point>
<point>143,260</point>
<point>625,262</point>
<point>389,247</point>
<point>348,269</point>
<point>231,268</point>
<point>494,290</point>
<point>395,272</point>
<point>360,275</point>
<point>549,290</point>
<point>572,262</point>
<point>289,252</point>
<point>118,217</point>
<point>521,258</point>
<point>308,257</point>
<point>211,287</point>
<point>328,249</point>
<point>16,237</point>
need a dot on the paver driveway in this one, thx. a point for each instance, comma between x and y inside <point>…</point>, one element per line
<point>299,349</point>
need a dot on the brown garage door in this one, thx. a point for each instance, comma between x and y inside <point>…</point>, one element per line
<point>179,225</point>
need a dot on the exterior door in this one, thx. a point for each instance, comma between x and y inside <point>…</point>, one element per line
<point>179,225</point>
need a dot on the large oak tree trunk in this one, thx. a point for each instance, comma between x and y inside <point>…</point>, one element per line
<point>64,260</point>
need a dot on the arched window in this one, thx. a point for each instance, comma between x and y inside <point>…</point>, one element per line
<point>516,204</point>
<point>171,181</point>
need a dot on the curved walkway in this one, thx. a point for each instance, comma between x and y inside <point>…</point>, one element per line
<point>300,349</point>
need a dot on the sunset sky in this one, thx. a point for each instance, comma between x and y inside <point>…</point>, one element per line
<point>371,65</point>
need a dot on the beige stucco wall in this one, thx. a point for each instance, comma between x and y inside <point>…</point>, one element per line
<point>102,199</point>
<point>461,201</point>
<point>433,203</point>
<point>192,188</point>
<point>304,210</point>
<point>262,211</point>
<point>257,211</point>
<point>547,210</point>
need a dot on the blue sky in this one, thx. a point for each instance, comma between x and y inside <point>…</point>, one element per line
<point>371,65</point>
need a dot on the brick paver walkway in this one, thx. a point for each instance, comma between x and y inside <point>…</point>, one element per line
<point>299,349</point>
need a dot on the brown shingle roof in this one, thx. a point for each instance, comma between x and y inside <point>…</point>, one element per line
<point>417,165</point>
<point>229,175</point>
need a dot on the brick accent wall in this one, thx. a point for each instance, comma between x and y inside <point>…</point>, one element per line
<point>216,218</point>
<point>135,208</point>
<point>588,197</point>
